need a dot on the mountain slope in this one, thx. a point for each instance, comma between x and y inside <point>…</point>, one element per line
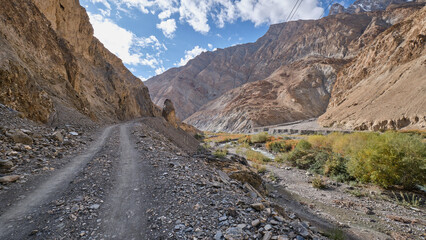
<point>211,74</point>
<point>286,75</point>
<point>385,87</point>
<point>51,65</point>
<point>298,90</point>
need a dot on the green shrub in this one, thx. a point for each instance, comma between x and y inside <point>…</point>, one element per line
<point>390,159</point>
<point>303,145</point>
<point>319,183</point>
<point>220,153</point>
<point>279,146</point>
<point>281,158</point>
<point>259,138</point>
<point>256,157</point>
<point>336,168</point>
<point>199,136</point>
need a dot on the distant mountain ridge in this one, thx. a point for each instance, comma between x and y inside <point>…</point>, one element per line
<point>364,6</point>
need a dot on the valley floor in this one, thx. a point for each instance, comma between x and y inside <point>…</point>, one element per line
<point>367,212</point>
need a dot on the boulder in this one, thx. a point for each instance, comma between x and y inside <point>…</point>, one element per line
<point>169,113</point>
<point>20,137</point>
<point>8,179</point>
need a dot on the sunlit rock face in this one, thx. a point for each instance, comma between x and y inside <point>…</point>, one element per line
<point>50,61</point>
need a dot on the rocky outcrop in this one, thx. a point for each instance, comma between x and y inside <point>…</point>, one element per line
<point>169,113</point>
<point>384,87</point>
<point>52,65</point>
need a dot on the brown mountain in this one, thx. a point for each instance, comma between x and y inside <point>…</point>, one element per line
<point>385,86</point>
<point>51,65</point>
<point>289,72</point>
<point>211,74</point>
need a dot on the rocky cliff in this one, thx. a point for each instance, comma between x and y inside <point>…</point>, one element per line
<point>53,68</point>
<point>385,86</point>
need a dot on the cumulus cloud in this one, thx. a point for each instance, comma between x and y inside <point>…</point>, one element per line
<point>117,39</point>
<point>104,2</point>
<point>168,27</point>
<point>160,70</point>
<point>190,54</point>
<point>123,42</point>
<point>210,45</point>
<point>150,41</point>
<point>198,13</point>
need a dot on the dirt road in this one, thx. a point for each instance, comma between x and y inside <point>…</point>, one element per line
<point>125,200</point>
<point>139,180</point>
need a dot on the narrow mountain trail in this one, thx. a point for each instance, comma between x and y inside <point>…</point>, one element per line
<point>128,199</point>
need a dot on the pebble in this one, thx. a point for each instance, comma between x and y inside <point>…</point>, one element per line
<point>258,206</point>
<point>255,223</point>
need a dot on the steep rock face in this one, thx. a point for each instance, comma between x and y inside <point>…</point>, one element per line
<point>384,88</point>
<point>50,61</point>
<point>297,90</point>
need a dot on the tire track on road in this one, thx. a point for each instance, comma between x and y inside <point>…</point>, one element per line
<point>53,185</point>
<point>127,202</point>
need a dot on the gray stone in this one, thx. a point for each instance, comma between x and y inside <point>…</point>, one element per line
<point>218,235</point>
<point>281,237</point>
<point>8,179</point>
<point>6,164</point>
<point>258,206</point>
<point>255,223</point>
<point>95,206</point>
<point>242,225</point>
<point>268,227</point>
<point>19,137</point>
<point>58,136</point>
<point>267,236</point>
<point>234,233</point>
<point>223,218</point>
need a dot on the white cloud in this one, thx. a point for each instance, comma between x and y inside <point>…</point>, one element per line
<point>276,11</point>
<point>122,42</point>
<point>165,14</point>
<point>195,14</point>
<point>150,41</point>
<point>117,39</point>
<point>104,2</point>
<point>190,54</point>
<point>210,45</point>
<point>168,27</point>
<point>160,70</point>
<point>198,13</point>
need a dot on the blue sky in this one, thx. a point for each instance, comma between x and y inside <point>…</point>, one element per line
<point>151,36</point>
